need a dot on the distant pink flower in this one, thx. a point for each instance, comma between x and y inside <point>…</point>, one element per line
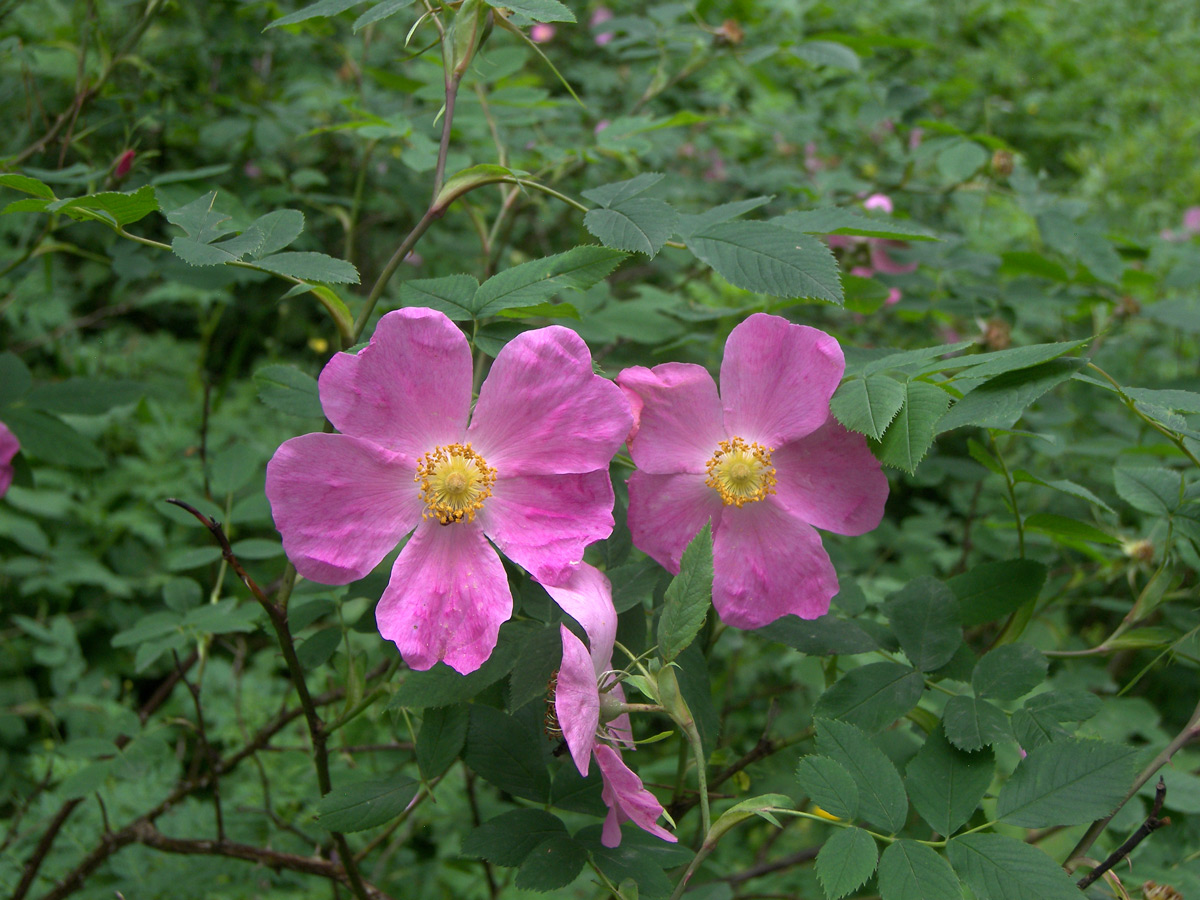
<point>530,475</point>
<point>893,296</point>
<point>9,445</point>
<point>600,126</point>
<point>586,699</point>
<point>764,461</point>
<point>124,165</point>
<point>599,17</point>
<point>1191,219</point>
<point>879,201</point>
<point>914,138</point>
<point>541,33</point>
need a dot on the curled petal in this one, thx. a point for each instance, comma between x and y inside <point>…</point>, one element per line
<point>777,379</point>
<point>679,424</point>
<point>667,511</point>
<point>9,445</point>
<point>831,479</point>
<point>587,598</point>
<point>627,799</point>
<point>767,564</point>
<point>341,503</point>
<point>447,598</point>
<point>544,522</point>
<point>542,410</point>
<point>577,700</point>
<point>409,389</point>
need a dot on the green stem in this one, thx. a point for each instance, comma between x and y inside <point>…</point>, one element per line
<point>1157,426</point>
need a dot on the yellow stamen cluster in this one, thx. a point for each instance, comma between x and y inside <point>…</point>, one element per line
<point>741,472</point>
<point>455,480</point>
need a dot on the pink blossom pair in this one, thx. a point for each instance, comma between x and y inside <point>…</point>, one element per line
<point>880,260</point>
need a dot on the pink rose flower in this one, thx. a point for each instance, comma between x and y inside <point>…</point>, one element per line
<point>764,461</point>
<point>529,474</point>
<point>542,33</point>
<point>9,446</point>
<point>599,17</point>
<point>586,703</point>
<point>879,201</point>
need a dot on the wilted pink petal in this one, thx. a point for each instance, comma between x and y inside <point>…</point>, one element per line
<point>541,33</point>
<point>627,799</point>
<point>408,390</point>
<point>9,446</point>
<point>543,522</point>
<point>883,262</point>
<point>587,598</point>
<point>338,527</point>
<point>679,420</point>
<point>542,408</point>
<point>878,201</point>
<point>831,480</point>
<point>447,598</point>
<point>577,700</point>
<point>776,379</point>
<point>768,563</point>
<point>666,512</point>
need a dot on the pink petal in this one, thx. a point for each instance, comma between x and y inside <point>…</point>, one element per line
<point>767,563</point>
<point>544,522</point>
<point>679,425</point>
<point>777,378</point>
<point>883,261</point>
<point>9,446</point>
<point>447,598</point>
<point>587,598</point>
<point>341,503</point>
<point>830,479</point>
<point>1191,219</point>
<point>878,201</point>
<point>542,410</point>
<point>627,799</point>
<point>667,511</point>
<point>893,296</point>
<point>577,700</point>
<point>409,389</point>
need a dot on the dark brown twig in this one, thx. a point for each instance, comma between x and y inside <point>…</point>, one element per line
<point>1152,824</point>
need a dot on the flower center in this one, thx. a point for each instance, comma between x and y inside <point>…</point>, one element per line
<point>455,480</point>
<point>741,472</point>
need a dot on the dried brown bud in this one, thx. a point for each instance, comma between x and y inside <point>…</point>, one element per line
<point>1002,163</point>
<point>730,33</point>
<point>997,334</point>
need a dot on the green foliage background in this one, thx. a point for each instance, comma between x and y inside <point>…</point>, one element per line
<point>1032,587</point>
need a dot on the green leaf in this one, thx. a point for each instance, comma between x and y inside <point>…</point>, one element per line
<point>195,253</point>
<point>442,686</point>
<point>688,597</point>
<point>365,804</point>
<point>26,185</point>
<point>310,267</point>
<point>114,208</point>
<point>1067,782</point>
<point>946,784</point>
<point>15,379</point>
<point>541,654</point>
<point>631,864</point>
<point>289,390</point>
<point>441,738</point>
<point>846,861</point>
<point>538,10</point>
<point>690,224</point>
<point>1082,242</point>
<point>504,752</point>
<point>476,176</point>
<point>881,797</point>
<point>1065,705</point>
<point>1000,402</point>
<point>315,10</point>
<point>272,232</point>
<point>1150,490</point>
<point>872,696</point>
<point>972,724</point>
<point>223,617</point>
<point>905,359</point>
<point>868,405</point>
<point>828,53</point>
<point>1064,486</point>
<point>318,649</point>
<point>51,440</point>
<point>641,225</point>
<point>912,871</point>
<point>925,619</point>
<point>911,433</point>
<point>998,867</point>
<point>1070,529</point>
<point>829,635</point>
<point>450,295</point>
<point>509,838</point>
<point>961,160</point>
<point>84,396</point>
<point>833,220</point>
<point>147,628</point>
<point>1009,672</point>
<point>233,466</point>
<point>620,191</point>
<point>760,806</point>
<point>828,785</point>
<point>769,259</point>
<point>379,12</point>
<point>998,362</point>
<point>552,864</point>
<point>199,220</point>
<point>542,311</point>
<point>993,590</point>
<point>542,279</point>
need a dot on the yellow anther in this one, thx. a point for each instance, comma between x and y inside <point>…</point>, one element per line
<point>741,472</point>
<point>454,480</point>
